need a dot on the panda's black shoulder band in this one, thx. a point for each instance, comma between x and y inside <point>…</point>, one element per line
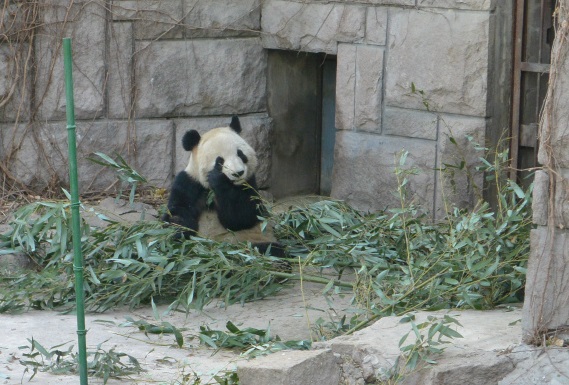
<point>235,124</point>
<point>190,140</point>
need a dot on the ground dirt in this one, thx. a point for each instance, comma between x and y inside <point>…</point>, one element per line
<point>289,314</point>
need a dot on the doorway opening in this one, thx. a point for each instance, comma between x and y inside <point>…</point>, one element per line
<point>301,102</point>
<point>533,38</point>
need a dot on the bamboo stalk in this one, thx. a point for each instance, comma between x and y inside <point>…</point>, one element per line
<point>75,216</point>
<point>312,278</point>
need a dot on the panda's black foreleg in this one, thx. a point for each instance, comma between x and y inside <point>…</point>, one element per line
<point>237,206</point>
<point>274,249</point>
<point>182,216</point>
<point>184,207</point>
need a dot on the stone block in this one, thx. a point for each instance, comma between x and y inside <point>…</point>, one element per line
<point>359,87</point>
<point>153,19</point>
<point>444,53</point>
<point>481,368</point>
<point>223,14</point>
<point>369,89</point>
<point>154,140</point>
<point>42,155</point>
<point>84,22</point>
<point>410,123</point>
<point>14,90</point>
<point>256,131</point>
<point>291,368</point>
<point>371,352</point>
<point>459,183</point>
<point>546,305</point>
<point>200,77</point>
<point>379,2</point>
<point>540,201</point>
<point>311,27</point>
<point>477,5</point>
<point>376,26</point>
<point>119,85</point>
<point>539,367</point>
<point>364,166</point>
<point>345,87</point>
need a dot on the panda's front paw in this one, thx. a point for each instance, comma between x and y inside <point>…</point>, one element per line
<point>216,178</point>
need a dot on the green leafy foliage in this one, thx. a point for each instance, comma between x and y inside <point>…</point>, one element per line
<point>163,327</point>
<point>101,363</point>
<point>228,377</point>
<point>126,174</point>
<point>328,329</point>
<point>428,340</point>
<point>403,261</point>
<point>127,264</point>
<point>252,342</point>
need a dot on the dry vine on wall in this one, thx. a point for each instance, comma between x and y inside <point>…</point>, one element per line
<point>33,145</point>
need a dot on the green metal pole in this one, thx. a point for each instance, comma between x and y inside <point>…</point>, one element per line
<point>75,216</point>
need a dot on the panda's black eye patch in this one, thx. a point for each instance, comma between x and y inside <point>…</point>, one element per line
<point>218,163</point>
<point>242,156</point>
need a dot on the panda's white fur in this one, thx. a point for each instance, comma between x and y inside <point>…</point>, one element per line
<point>222,142</point>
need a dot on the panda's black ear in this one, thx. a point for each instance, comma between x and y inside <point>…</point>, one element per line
<point>190,140</point>
<point>235,124</point>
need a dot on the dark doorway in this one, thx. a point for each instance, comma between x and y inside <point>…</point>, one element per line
<point>328,139</point>
<point>534,34</point>
<point>301,89</point>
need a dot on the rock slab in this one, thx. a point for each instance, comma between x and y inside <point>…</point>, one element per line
<point>291,368</point>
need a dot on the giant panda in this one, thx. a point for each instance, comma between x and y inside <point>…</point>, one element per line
<point>222,165</point>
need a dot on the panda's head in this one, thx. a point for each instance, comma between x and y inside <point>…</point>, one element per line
<point>238,159</point>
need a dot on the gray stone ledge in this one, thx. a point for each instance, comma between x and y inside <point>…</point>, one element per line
<point>370,353</point>
<point>312,367</point>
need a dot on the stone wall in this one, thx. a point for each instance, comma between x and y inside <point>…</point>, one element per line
<point>412,75</point>
<point>144,73</point>
<point>546,306</point>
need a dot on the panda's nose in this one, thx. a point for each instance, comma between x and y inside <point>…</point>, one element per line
<point>240,173</point>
